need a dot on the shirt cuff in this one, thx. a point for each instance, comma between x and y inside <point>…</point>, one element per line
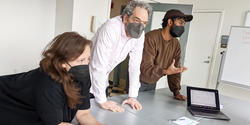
<point>133,93</point>
<point>133,97</point>
<point>160,72</point>
<point>177,92</point>
<point>100,101</point>
<point>100,98</point>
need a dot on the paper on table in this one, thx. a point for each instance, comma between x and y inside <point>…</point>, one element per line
<point>185,121</point>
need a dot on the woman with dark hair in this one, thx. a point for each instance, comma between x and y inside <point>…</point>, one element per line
<point>55,92</point>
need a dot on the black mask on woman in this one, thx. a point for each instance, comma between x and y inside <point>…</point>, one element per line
<point>176,31</point>
<point>80,73</point>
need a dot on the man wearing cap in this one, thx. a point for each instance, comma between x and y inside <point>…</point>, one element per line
<point>162,53</point>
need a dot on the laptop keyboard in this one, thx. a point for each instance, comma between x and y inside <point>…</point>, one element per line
<point>205,111</point>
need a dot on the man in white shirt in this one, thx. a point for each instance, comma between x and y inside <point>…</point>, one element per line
<point>118,37</point>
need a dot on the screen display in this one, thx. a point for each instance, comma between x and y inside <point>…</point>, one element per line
<point>203,98</point>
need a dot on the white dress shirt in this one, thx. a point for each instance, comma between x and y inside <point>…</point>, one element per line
<point>110,47</point>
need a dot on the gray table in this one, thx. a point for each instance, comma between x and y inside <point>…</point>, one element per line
<point>159,107</point>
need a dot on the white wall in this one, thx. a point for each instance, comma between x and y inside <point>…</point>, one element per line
<point>26,27</point>
<point>235,11</point>
<point>64,16</point>
<point>83,11</point>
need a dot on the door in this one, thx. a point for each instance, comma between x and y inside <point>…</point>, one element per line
<point>201,47</point>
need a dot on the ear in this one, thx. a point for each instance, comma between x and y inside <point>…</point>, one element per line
<point>64,65</point>
<point>124,18</point>
<point>170,22</point>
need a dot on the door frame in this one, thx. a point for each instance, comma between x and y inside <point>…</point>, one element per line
<point>216,47</point>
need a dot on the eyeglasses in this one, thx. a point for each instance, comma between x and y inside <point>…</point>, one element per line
<point>138,20</point>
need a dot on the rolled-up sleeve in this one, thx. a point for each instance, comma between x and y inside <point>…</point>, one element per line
<point>134,67</point>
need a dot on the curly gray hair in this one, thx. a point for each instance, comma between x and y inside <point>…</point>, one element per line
<point>129,9</point>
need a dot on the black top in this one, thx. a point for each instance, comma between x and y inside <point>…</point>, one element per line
<point>33,98</point>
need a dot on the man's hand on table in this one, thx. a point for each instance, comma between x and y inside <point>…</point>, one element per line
<point>134,104</point>
<point>180,97</point>
<point>112,106</point>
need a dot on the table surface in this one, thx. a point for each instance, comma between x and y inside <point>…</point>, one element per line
<point>159,107</point>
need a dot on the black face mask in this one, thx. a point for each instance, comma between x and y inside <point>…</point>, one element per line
<point>176,31</point>
<point>80,73</point>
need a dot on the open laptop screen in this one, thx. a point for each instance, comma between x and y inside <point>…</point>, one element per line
<point>203,98</point>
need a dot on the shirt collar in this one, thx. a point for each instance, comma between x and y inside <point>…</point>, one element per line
<point>124,32</point>
<point>124,35</point>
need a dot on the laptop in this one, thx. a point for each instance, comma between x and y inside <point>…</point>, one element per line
<point>203,102</point>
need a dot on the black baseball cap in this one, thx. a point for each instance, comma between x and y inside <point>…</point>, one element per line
<point>173,13</point>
